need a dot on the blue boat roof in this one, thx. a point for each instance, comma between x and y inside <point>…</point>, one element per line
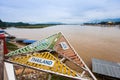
<point>29,41</point>
<point>1,31</point>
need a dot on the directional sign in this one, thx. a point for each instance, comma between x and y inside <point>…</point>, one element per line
<point>45,61</point>
<point>64,48</point>
<point>46,43</point>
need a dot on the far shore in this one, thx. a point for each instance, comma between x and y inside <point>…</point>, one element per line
<point>49,25</point>
<point>36,26</point>
<point>31,26</point>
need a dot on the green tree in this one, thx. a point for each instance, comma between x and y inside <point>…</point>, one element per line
<point>2,24</point>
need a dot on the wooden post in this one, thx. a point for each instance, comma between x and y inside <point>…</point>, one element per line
<point>49,76</point>
<point>1,60</point>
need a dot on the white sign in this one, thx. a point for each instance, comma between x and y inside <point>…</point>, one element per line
<point>42,61</point>
<point>64,45</point>
<point>9,73</point>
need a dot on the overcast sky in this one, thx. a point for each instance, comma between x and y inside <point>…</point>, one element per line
<point>66,11</point>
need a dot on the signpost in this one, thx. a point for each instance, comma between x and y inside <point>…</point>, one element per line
<point>1,60</point>
<point>2,37</point>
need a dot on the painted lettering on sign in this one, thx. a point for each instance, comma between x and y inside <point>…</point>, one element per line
<point>64,45</point>
<point>42,61</point>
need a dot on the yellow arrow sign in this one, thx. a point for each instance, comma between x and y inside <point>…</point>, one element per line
<point>45,61</point>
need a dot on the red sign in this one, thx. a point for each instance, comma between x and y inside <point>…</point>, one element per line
<point>3,44</point>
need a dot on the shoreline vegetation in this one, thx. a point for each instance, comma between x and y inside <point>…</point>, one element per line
<point>11,46</point>
<point>36,26</point>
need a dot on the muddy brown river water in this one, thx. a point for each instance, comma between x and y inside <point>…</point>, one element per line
<point>89,41</point>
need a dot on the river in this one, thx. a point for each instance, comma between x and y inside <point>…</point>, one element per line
<point>89,41</point>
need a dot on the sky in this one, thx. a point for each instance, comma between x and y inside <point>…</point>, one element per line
<point>64,11</point>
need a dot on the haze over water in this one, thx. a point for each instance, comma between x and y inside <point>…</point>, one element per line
<point>90,42</point>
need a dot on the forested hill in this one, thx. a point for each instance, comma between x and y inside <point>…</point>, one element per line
<point>9,24</point>
<point>25,25</point>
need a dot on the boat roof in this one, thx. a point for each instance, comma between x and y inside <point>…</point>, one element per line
<point>107,68</point>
